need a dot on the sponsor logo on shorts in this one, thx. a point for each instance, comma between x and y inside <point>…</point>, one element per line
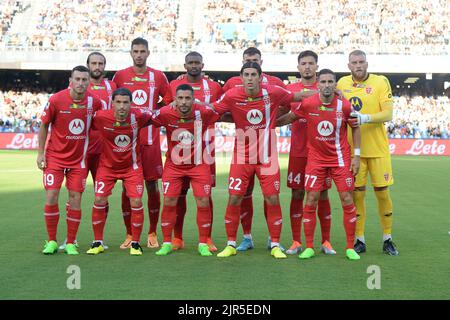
<point>325,128</point>
<point>139,97</point>
<point>207,188</point>
<point>349,182</point>
<point>277,185</point>
<point>254,116</point>
<point>76,126</point>
<point>122,140</point>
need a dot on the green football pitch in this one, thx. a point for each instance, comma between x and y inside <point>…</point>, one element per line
<point>421,231</point>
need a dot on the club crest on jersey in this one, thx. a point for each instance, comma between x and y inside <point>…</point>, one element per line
<point>122,140</point>
<point>368,90</point>
<point>349,182</point>
<point>139,97</point>
<point>339,115</point>
<point>76,126</point>
<point>185,137</point>
<point>207,188</point>
<point>356,103</point>
<point>325,128</point>
<point>254,116</point>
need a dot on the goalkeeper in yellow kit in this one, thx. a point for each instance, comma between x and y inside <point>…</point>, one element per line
<point>371,97</point>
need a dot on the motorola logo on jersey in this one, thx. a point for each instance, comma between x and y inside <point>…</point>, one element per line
<point>139,97</point>
<point>356,103</point>
<point>325,128</point>
<point>185,137</point>
<point>122,140</point>
<point>76,126</point>
<point>254,116</point>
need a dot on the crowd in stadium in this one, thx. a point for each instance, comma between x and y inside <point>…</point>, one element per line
<point>418,27</point>
<point>414,117</point>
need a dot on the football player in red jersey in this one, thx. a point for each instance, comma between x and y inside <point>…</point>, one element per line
<point>206,91</point>
<point>147,85</point>
<point>307,67</point>
<point>120,160</point>
<point>69,112</point>
<point>254,108</point>
<point>251,54</point>
<point>329,154</point>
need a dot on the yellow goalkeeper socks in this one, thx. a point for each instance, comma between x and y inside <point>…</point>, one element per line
<point>385,210</point>
<point>360,204</point>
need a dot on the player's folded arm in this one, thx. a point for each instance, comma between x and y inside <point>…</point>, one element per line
<point>286,119</point>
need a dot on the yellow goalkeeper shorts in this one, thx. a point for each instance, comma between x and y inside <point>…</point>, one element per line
<point>380,170</point>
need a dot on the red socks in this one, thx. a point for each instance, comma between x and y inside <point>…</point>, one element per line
<point>349,218</point>
<point>324,213</point>
<point>73,222</point>
<point>296,214</point>
<point>137,222</point>
<point>126,211</point>
<point>98,221</point>
<point>154,205</point>
<point>232,221</point>
<point>168,218</point>
<point>212,216</point>
<point>309,224</point>
<point>51,214</point>
<point>246,214</point>
<point>181,213</point>
<point>274,221</point>
<point>203,223</point>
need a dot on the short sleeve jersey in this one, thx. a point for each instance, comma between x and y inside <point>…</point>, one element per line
<point>255,119</point>
<point>185,136</point>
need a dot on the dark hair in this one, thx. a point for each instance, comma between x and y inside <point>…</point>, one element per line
<point>139,41</point>
<point>193,54</point>
<point>80,69</point>
<point>253,65</point>
<point>95,53</point>
<point>122,92</point>
<point>308,53</point>
<point>251,52</point>
<point>357,53</point>
<point>185,87</point>
<point>326,71</point>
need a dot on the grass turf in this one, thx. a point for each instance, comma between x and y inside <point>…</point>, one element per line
<point>421,225</point>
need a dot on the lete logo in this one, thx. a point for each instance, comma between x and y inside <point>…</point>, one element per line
<point>76,126</point>
<point>139,97</point>
<point>122,140</point>
<point>325,128</point>
<point>419,147</point>
<point>254,116</point>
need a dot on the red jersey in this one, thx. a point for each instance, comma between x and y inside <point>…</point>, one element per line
<point>266,80</point>
<point>70,123</point>
<point>205,90</point>
<point>186,137</point>
<point>327,131</point>
<point>104,92</point>
<point>298,128</point>
<point>255,118</point>
<point>146,89</point>
<point>121,147</point>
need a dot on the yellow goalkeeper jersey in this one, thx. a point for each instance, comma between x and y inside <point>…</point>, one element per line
<point>370,96</point>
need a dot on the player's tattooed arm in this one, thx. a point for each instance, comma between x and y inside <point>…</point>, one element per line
<point>286,119</point>
<point>356,135</point>
<point>42,137</point>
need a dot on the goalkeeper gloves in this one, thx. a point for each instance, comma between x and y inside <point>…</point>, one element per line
<point>358,119</point>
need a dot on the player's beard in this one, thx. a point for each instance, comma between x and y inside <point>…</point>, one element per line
<point>195,73</point>
<point>308,77</point>
<point>95,76</point>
